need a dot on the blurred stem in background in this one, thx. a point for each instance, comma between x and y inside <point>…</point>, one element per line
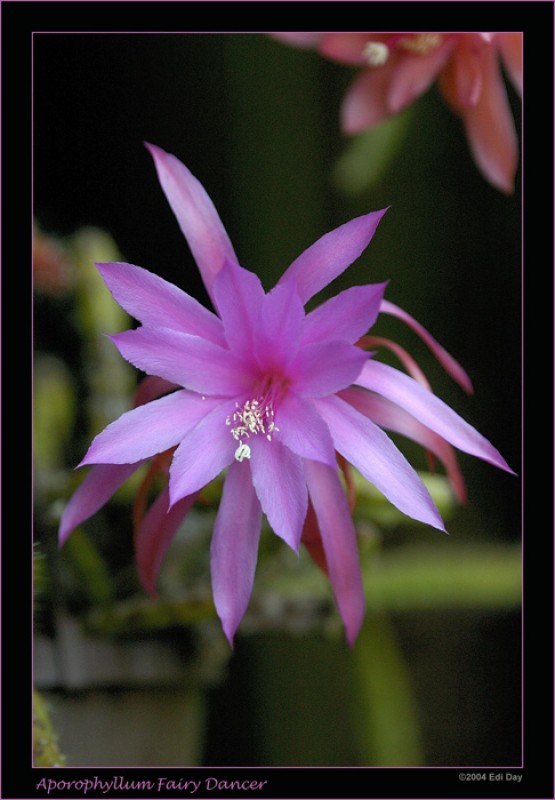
<point>385,714</point>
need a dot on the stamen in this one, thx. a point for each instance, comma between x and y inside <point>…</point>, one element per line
<point>421,43</point>
<point>250,419</point>
<point>375,53</point>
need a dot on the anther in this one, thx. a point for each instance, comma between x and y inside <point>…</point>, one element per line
<point>421,43</point>
<point>250,419</point>
<point>376,53</point>
<point>243,451</point>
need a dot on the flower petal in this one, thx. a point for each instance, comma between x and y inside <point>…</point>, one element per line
<point>370,450</point>
<point>302,430</point>
<point>186,360</point>
<point>405,358</point>
<point>348,48</point>
<point>430,410</point>
<point>365,103</point>
<point>298,39</point>
<point>324,368</point>
<point>388,415</point>
<point>413,75</point>
<point>450,365</point>
<point>332,254</point>
<point>234,548</point>
<point>149,429</point>
<point>238,295</point>
<point>279,327</point>
<point>510,45</point>
<point>490,128</point>
<point>156,531</point>
<point>100,484</point>
<point>198,219</point>
<point>203,453</point>
<point>346,316</point>
<point>278,478</point>
<point>461,79</point>
<point>312,540</point>
<point>339,539</point>
<point>157,303</point>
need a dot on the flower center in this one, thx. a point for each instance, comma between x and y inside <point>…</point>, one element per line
<point>377,53</point>
<point>250,419</point>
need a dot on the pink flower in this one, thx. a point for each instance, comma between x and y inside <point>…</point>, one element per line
<point>399,67</point>
<point>269,394</point>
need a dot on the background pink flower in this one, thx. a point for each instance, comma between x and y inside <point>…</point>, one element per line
<point>399,67</point>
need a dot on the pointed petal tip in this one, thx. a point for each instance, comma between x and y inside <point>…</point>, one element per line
<point>450,364</point>
<point>64,532</point>
<point>433,519</point>
<point>502,464</point>
<point>156,152</point>
<point>492,456</point>
<point>379,213</point>
<point>501,180</point>
<point>229,631</point>
<point>351,126</point>
<point>508,189</point>
<point>68,524</point>
<point>439,525</point>
<point>195,214</point>
<point>175,496</point>
<point>147,570</point>
<point>374,218</point>
<point>352,629</point>
<point>351,638</point>
<point>152,148</point>
<point>149,585</point>
<point>332,253</point>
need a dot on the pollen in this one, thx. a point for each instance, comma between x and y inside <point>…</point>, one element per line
<point>250,419</point>
<point>421,44</point>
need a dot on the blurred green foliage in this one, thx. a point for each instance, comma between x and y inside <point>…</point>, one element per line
<point>46,752</point>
